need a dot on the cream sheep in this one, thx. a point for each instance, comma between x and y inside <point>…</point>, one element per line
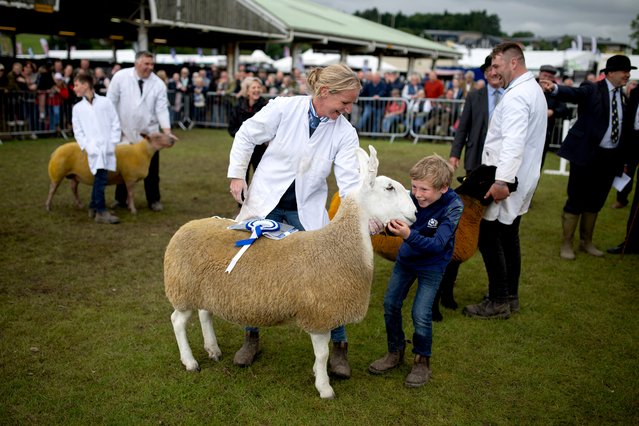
<point>132,165</point>
<point>316,279</point>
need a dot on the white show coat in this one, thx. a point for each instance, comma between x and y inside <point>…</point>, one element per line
<point>145,113</point>
<point>97,130</point>
<point>292,155</point>
<point>515,143</point>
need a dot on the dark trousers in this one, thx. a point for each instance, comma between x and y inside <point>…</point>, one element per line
<point>151,183</point>
<point>622,196</point>
<point>588,186</point>
<point>98,203</point>
<point>499,247</point>
<point>632,228</point>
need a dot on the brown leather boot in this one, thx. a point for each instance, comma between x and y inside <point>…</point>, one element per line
<point>487,309</point>
<point>387,362</point>
<point>249,350</point>
<point>420,373</point>
<point>106,217</point>
<point>338,361</point>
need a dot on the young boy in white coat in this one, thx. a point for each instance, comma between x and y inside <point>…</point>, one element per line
<point>97,130</point>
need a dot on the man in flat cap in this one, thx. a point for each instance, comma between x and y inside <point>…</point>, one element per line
<point>557,110</point>
<point>595,148</point>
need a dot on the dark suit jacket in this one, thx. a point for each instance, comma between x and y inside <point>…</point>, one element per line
<point>630,136</point>
<point>471,132</point>
<point>593,117</point>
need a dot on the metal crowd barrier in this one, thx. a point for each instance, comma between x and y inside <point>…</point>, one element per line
<point>380,117</point>
<point>30,114</point>
<point>558,129</point>
<point>434,119</point>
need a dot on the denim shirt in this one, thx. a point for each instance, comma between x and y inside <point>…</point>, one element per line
<point>432,237</point>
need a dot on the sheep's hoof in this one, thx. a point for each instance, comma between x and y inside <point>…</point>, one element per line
<point>328,394</point>
<point>215,355</point>
<point>192,366</point>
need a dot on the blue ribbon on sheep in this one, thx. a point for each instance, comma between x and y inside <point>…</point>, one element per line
<point>257,228</point>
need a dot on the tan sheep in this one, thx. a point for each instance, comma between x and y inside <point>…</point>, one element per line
<point>132,165</point>
<point>315,279</point>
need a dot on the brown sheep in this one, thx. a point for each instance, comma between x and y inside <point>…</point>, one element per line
<point>132,165</point>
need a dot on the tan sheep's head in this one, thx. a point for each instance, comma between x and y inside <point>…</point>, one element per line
<point>160,140</point>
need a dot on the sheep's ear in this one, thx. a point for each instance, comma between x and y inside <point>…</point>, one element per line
<point>145,136</point>
<point>362,158</point>
<point>373,165</point>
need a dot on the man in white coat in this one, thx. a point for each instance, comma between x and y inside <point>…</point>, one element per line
<point>97,130</point>
<point>140,98</point>
<point>307,136</point>
<point>514,144</point>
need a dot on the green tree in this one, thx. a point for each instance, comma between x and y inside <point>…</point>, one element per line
<point>523,34</point>
<point>478,21</point>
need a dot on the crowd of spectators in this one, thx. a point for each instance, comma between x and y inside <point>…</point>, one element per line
<point>424,103</point>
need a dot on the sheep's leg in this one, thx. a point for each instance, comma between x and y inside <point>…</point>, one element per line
<point>210,341</point>
<point>74,190</point>
<point>179,320</point>
<point>320,347</point>
<point>53,187</point>
<point>130,201</point>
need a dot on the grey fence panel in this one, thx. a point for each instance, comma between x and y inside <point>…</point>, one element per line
<point>434,119</point>
<point>380,117</point>
<point>29,114</point>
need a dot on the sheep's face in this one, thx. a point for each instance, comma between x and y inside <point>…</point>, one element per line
<point>388,200</point>
<point>161,140</point>
<point>385,199</point>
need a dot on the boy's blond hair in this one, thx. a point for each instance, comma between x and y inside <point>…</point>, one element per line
<point>434,169</point>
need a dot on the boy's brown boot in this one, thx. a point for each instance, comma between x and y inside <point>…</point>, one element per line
<point>387,362</point>
<point>420,373</point>
<point>249,350</point>
<point>338,362</point>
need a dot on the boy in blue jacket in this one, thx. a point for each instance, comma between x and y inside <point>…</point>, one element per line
<point>426,250</point>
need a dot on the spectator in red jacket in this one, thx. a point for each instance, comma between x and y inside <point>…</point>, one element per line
<point>433,87</point>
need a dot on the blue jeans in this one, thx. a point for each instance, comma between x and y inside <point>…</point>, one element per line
<point>97,195</point>
<point>399,284</point>
<point>292,218</point>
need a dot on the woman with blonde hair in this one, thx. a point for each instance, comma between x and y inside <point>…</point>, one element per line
<point>307,136</point>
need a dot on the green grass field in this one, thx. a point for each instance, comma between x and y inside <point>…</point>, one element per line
<point>85,334</point>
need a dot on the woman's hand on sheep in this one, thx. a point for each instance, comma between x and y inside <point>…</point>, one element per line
<point>238,190</point>
<point>399,228</point>
<point>375,226</point>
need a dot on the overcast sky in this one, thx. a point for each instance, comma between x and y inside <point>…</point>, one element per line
<point>600,18</point>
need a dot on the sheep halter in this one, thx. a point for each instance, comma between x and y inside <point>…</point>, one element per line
<point>257,227</point>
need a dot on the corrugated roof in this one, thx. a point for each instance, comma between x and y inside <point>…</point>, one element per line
<point>313,21</point>
<point>230,16</point>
